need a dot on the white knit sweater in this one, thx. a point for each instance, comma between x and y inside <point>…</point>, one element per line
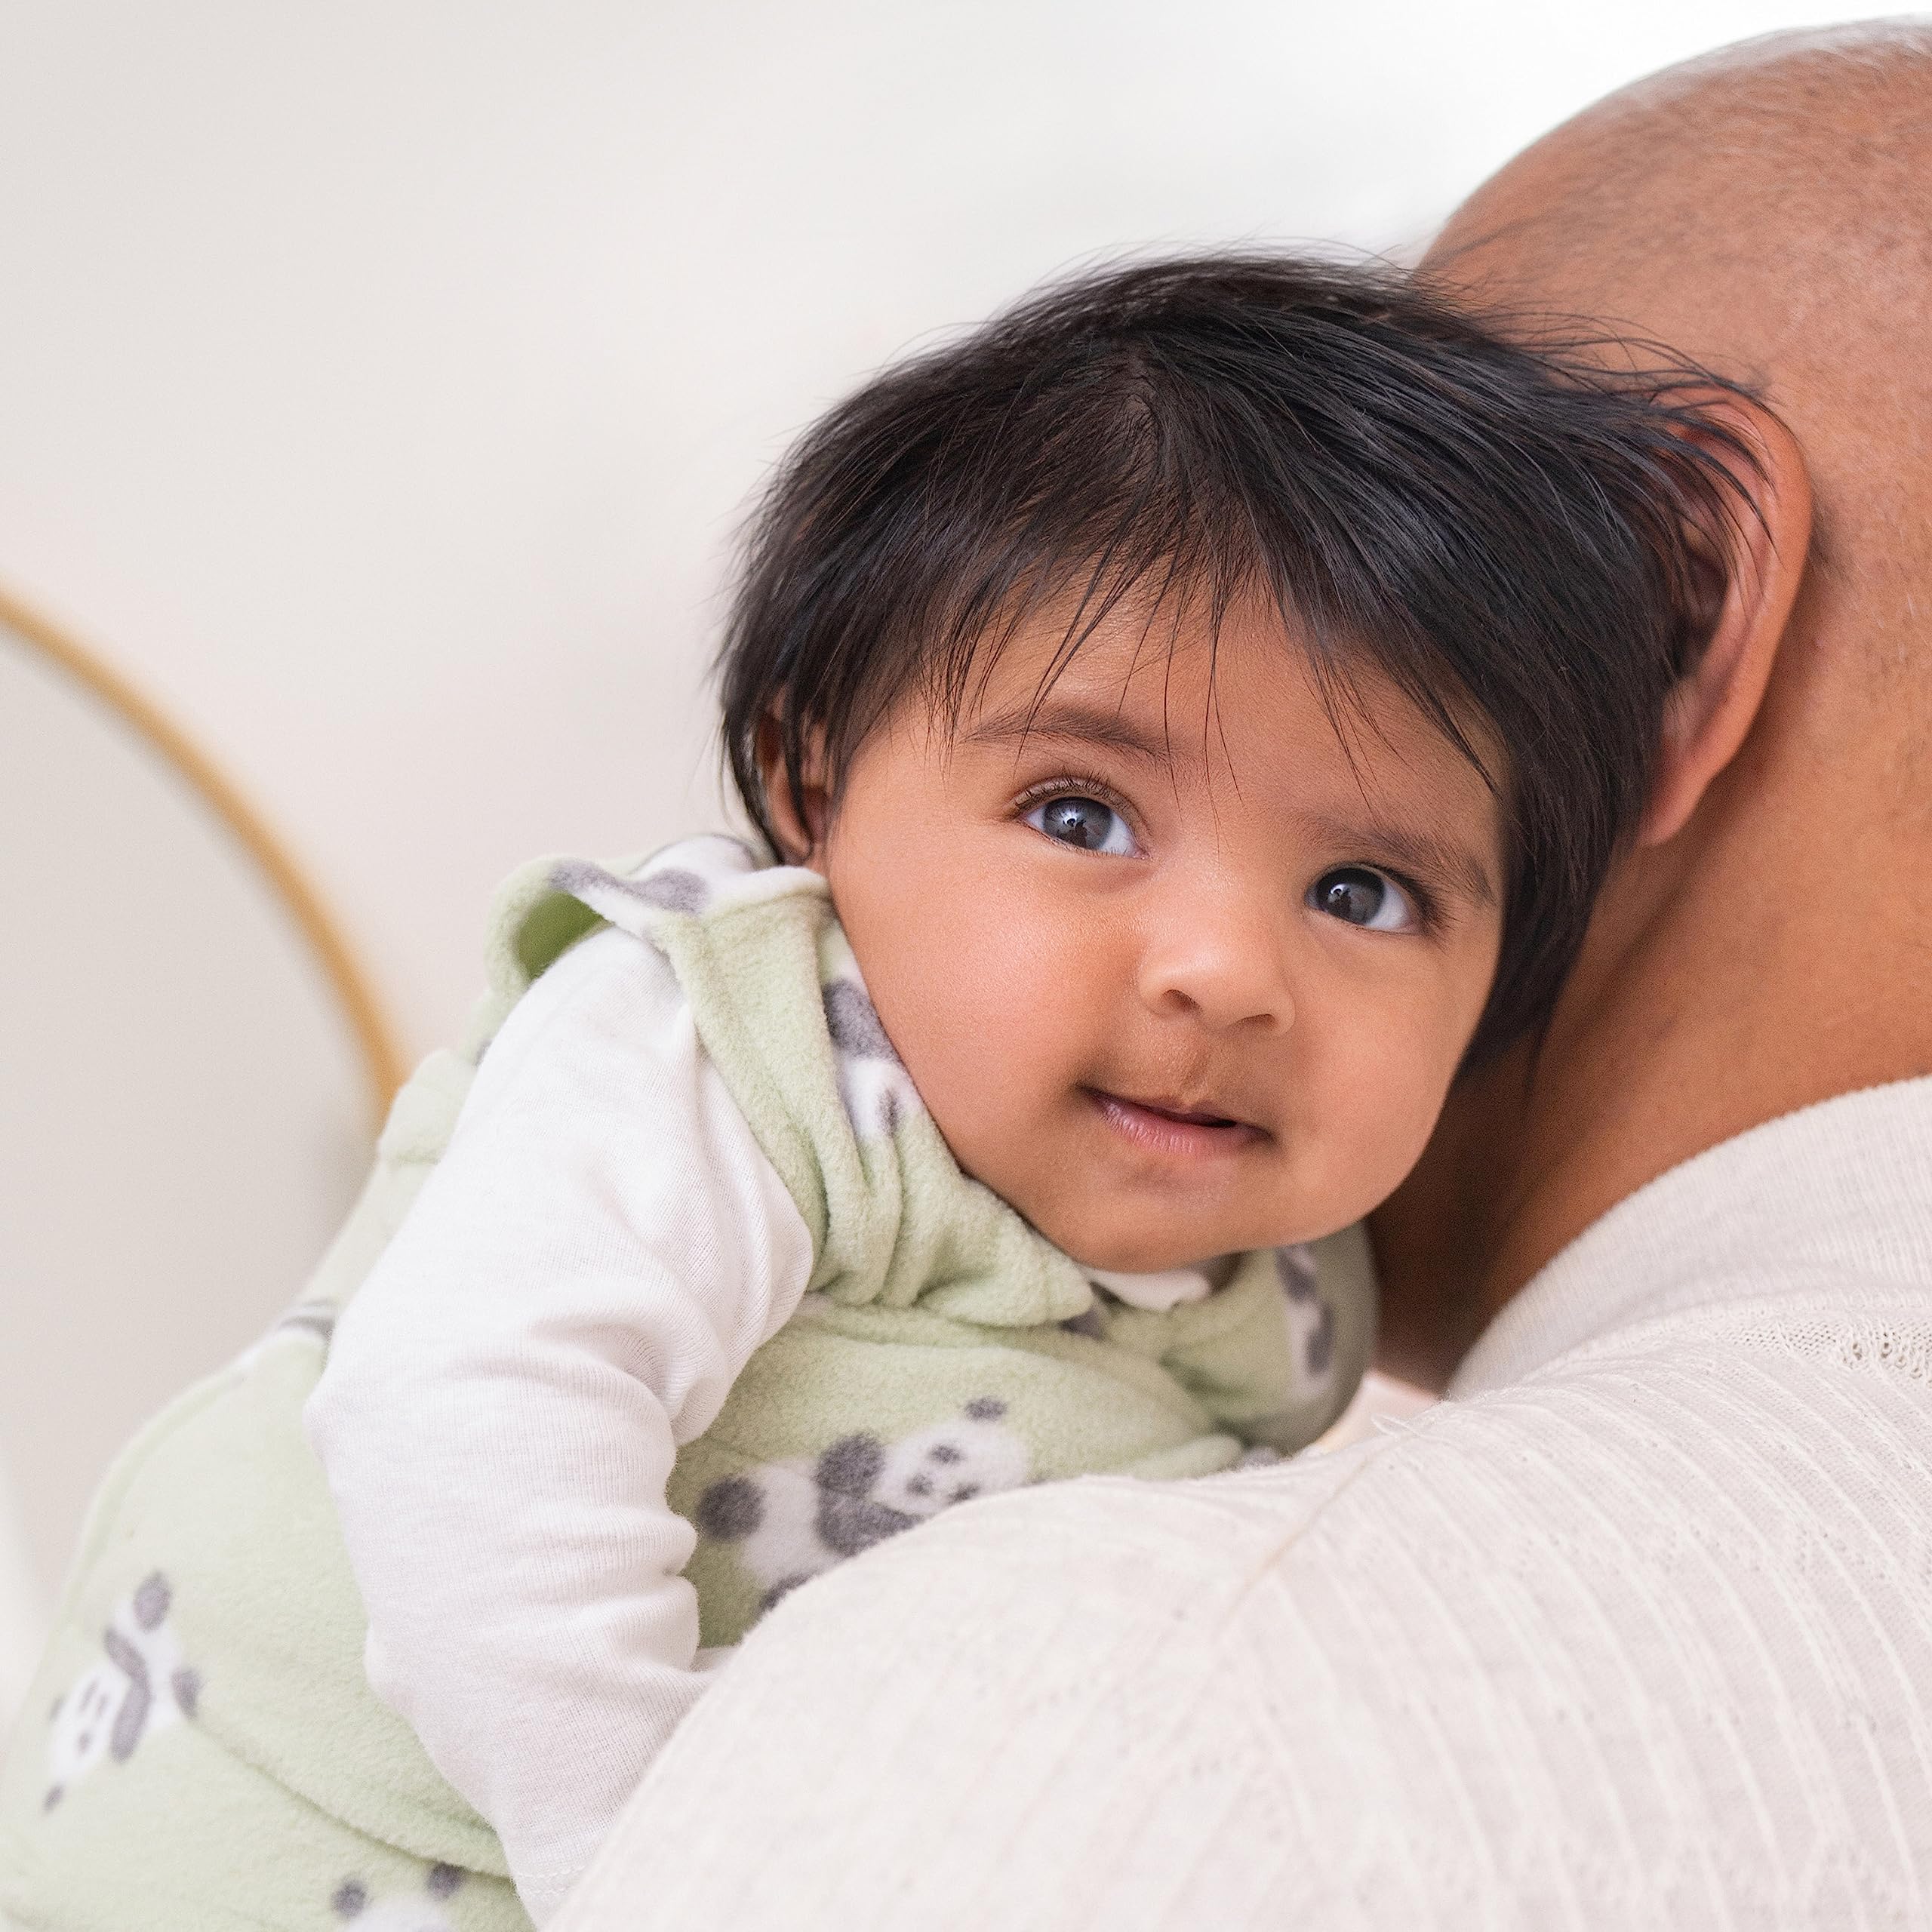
<point>1635,1631</point>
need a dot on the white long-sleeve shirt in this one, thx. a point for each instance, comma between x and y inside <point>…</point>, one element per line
<point>570,1299</point>
<point>1635,1631</point>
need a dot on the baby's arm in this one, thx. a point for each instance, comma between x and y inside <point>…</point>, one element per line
<point>583,1277</point>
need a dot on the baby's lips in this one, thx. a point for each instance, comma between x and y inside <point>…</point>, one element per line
<point>1193,1110</point>
<point>1193,1132</point>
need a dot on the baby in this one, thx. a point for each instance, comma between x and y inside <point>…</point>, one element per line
<point>1184,722</point>
<point>1187,715</point>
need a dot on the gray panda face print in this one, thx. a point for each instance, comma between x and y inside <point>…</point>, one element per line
<point>874,1088</point>
<point>141,1686</point>
<point>792,1521</point>
<point>351,1901</point>
<point>974,1454</point>
<point>1311,1320</point>
<point>851,1517</point>
<point>853,1021</point>
<point>81,1725</point>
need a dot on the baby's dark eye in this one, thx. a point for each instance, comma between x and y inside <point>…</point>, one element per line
<point>1359,897</point>
<point>1084,822</point>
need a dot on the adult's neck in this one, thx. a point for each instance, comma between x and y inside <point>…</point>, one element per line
<point>1777,953</point>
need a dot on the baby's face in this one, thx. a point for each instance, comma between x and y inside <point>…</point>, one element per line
<point>1177,973</point>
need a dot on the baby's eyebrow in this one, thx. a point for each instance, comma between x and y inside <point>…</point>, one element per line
<point>1409,847</point>
<point>1067,719</point>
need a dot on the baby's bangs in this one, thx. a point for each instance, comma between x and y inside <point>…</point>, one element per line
<point>1165,577</point>
<point>1171,578</point>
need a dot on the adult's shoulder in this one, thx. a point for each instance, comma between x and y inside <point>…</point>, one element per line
<point>1645,1636</point>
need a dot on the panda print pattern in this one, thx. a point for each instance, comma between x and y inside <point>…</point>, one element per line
<point>1311,1320</point>
<point>877,1091</point>
<point>792,1521</point>
<point>140,1687</point>
<point>704,874</point>
<point>351,1903</point>
<point>687,878</point>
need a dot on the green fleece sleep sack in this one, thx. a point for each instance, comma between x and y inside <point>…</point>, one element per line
<point>201,1749</point>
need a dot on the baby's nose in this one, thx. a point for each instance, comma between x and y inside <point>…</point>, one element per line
<point>1225,971</point>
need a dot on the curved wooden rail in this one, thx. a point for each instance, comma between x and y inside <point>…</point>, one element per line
<point>382,1057</point>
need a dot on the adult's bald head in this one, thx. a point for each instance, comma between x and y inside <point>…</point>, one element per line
<point>1766,210</point>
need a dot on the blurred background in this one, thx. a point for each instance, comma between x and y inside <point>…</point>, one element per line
<point>380,386</point>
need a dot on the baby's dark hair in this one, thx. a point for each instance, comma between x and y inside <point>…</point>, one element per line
<point>1527,542</point>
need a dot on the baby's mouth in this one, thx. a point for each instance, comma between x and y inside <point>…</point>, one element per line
<point>1168,1125</point>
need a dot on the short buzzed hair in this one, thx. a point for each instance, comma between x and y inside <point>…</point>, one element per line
<point>1521,539</point>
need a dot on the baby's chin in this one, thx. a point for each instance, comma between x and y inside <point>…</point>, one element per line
<point>1158,1224</point>
<point>1125,1232</point>
<point>1123,1249</point>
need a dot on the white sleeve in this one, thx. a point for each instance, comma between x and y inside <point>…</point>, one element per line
<point>582,1278</point>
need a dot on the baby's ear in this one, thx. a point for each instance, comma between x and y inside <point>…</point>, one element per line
<point>800,812</point>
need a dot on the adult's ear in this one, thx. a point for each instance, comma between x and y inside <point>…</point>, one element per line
<point>1711,708</point>
<point>802,814</point>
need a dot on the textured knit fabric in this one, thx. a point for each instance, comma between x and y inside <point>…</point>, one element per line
<point>790,1289</point>
<point>1635,1631</point>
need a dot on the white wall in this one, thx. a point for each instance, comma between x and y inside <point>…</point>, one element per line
<point>378,382</point>
<point>183,1116</point>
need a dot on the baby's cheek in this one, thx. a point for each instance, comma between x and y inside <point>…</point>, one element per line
<point>992,1078</point>
<point>998,1077</point>
<point>1381,1111</point>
